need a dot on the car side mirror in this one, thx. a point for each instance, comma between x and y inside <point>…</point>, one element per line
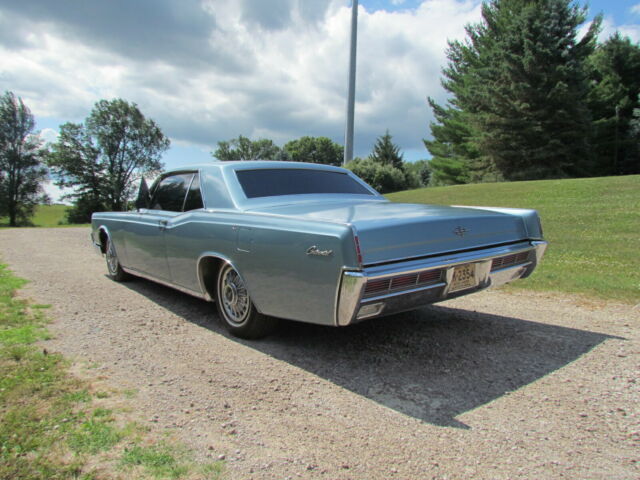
<point>143,195</point>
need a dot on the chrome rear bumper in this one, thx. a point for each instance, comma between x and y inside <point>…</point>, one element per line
<point>354,305</point>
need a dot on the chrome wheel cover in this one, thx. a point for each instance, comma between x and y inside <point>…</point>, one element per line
<point>233,297</point>
<point>112,259</point>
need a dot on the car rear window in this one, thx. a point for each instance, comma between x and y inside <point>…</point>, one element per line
<point>272,182</point>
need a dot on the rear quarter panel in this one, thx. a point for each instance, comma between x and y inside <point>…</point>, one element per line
<point>285,281</point>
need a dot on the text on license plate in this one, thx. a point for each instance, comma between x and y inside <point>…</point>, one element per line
<point>464,276</point>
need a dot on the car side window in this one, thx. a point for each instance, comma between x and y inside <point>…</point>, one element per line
<point>194,197</point>
<point>170,193</point>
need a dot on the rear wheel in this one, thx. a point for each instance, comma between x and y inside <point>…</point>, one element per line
<point>236,309</point>
<point>113,264</point>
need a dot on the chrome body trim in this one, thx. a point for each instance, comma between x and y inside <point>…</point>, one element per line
<point>353,284</point>
<point>314,250</point>
<point>137,273</point>
<point>197,174</point>
<point>440,261</point>
<point>447,254</point>
<point>217,256</point>
<point>541,247</point>
<point>377,298</point>
<point>184,200</point>
<point>96,245</point>
<point>96,241</point>
<point>351,290</point>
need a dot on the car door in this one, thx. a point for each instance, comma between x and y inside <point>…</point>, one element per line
<point>145,243</point>
<point>185,237</point>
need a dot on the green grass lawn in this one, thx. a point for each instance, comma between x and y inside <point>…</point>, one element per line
<point>55,426</point>
<point>592,225</point>
<point>49,215</point>
<point>46,216</point>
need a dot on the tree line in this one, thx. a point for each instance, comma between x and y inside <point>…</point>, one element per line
<point>384,168</point>
<point>102,159</point>
<point>530,99</point>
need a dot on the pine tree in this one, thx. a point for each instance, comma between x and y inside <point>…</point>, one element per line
<point>386,152</point>
<point>614,75</point>
<point>518,87</point>
<point>455,160</point>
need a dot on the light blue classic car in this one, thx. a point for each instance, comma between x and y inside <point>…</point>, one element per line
<point>309,242</point>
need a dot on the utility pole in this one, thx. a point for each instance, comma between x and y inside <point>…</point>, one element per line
<point>351,96</point>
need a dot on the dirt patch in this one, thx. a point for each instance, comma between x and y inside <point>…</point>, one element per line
<point>494,385</point>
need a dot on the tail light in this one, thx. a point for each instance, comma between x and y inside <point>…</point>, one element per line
<point>358,251</point>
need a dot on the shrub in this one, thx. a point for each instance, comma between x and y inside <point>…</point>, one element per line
<point>384,178</point>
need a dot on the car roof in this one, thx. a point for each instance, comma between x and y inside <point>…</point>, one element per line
<point>253,165</point>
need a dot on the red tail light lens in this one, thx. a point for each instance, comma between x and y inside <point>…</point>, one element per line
<point>358,251</point>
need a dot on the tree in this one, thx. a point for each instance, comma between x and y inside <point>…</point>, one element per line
<point>75,158</point>
<point>21,170</point>
<point>315,150</point>
<point>448,171</point>
<point>386,152</point>
<point>614,77</point>
<point>420,171</point>
<point>635,121</point>
<point>634,132</point>
<point>243,148</point>
<point>384,178</point>
<point>456,158</point>
<point>384,169</point>
<point>104,157</point>
<point>518,85</point>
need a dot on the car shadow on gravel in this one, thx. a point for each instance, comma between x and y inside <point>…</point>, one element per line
<point>433,364</point>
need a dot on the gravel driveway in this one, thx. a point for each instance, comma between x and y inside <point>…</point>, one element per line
<point>495,385</point>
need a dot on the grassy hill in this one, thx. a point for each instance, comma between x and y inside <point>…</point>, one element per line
<point>49,215</point>
<point>592,225</point>
<point>45,216</point>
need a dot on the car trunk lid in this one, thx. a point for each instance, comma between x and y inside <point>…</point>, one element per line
<point>390,231</point>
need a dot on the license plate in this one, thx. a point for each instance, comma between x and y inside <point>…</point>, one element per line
<point>464,276</point>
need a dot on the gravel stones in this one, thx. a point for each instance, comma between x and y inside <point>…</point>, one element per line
<point>493,385</point>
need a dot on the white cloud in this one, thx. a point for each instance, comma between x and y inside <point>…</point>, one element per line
<point>631,31</point>
<point>49,135</point>
<point>635,9</point>
<point>609,27</point>
<point>56,193</point>
<point>279,76</point>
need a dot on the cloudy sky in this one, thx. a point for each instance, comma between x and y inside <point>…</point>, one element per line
<point>209,70</point>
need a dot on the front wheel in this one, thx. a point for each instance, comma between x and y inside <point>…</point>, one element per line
<point>236,309</point>
<point>113,264</point>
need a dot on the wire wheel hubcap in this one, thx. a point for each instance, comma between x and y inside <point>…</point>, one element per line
<point>112,259</point>
<point>234,297</point>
